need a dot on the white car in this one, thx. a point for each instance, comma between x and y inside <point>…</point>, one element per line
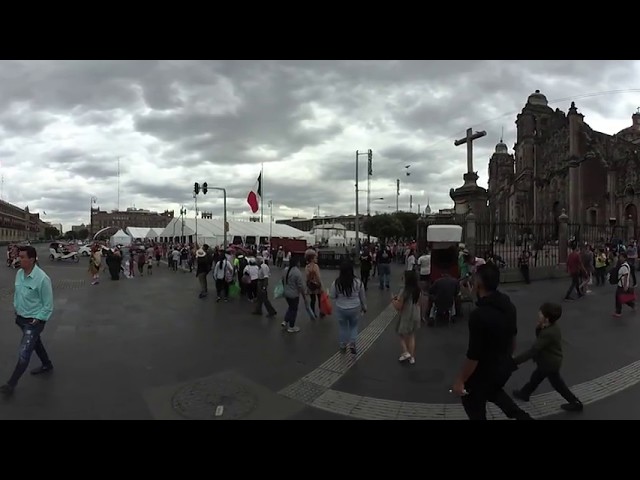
<point>84,250</point>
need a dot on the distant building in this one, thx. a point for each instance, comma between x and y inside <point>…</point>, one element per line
<point>307,224</point>
<point>77,228</point>
<point>131,217</point>
<point>17,224</point>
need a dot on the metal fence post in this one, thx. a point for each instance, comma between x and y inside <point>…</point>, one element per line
<point>563,240</point>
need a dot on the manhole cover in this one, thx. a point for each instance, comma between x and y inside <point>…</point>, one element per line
<point>200,400</point>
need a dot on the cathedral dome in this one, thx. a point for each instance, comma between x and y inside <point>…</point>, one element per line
<point>537,98</point>
<point>501,147</point>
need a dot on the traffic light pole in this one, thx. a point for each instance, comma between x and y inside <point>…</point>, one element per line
<point>225,228</point>
<point>196,191</point>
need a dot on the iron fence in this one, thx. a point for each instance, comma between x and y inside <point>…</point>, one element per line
<point>507,241</point>
<point>597,235</point>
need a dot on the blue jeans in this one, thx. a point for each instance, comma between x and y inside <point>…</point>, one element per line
<point>384,274</point>
<point>30,341</point>
<point>292,312</point>
<point>348,325</point>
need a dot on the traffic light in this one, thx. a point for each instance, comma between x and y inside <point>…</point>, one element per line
<point>196,188</point>
<point>370,158</point>
<point>204,188</point>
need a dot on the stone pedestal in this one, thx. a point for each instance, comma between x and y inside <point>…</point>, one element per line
<point>470,196</point>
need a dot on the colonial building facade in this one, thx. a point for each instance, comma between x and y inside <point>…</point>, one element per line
<point>131,217</point>
<point>17,224</point>
<point>560,163</point>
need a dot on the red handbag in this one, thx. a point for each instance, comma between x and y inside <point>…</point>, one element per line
<point>627,297</point>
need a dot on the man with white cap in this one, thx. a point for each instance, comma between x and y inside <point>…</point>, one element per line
<point>203,268</point>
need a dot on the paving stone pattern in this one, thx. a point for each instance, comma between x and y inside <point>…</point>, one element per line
<point>314,389</point>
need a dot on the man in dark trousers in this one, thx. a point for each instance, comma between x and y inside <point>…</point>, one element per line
<point>33,303</point>
<point>489,363</point>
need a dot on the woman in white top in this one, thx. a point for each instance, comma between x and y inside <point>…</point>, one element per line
<point>625,285</point>
<point>223,274</point>
<point>252,271</point>
<point>349,300</point>
<point>411,261</point>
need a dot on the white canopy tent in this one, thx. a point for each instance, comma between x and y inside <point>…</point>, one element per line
<point>138,232</point>
<point>120,238</point>
<point>154,233</point>
<point>211,231</point>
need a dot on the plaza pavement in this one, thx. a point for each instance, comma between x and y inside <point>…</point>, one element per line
<point>148,348</point>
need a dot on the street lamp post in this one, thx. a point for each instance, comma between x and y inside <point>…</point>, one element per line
<point>183,212</point>
<point>357,222</point>
<point>270,222</point>
<point>225,227</point>
<point>93,201</point>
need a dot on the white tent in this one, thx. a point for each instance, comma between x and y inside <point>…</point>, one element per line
<point>138,232</point>
<point>120,238</point>
<point>211,230</point>
<point>154,233</point>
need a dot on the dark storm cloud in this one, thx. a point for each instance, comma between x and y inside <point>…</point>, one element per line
<point>232,115</point>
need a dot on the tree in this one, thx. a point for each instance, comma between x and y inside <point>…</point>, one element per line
<point>383,226</point>
<point>83,233</point>
<point>71,235</point>
<point>409,223</point>
<point>51,232</point>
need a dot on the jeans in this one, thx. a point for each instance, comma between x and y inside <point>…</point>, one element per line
<point>292,312</point>
<point>384,272</point>
<point>202,278</point>
<point>348,325</point>
<point>575,283</point>
<point>556,381</point>
<point>222,286</point>
<point>263,298</point>
<point>312,301</point>
<point>30,341</point>
<point>364,275</point>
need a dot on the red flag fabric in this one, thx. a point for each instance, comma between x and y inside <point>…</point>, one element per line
<point>253,199</point>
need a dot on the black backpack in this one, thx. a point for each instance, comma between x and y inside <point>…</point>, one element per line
<point>613,275</point>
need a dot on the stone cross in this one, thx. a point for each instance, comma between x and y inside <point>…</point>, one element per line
<point>468,140</point>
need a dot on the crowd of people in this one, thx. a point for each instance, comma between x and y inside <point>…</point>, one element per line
<point>432,287</point>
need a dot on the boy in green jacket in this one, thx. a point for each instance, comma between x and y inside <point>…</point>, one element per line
<point>546,352</point>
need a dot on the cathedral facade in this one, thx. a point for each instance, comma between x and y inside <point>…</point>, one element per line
<point>560,163</point>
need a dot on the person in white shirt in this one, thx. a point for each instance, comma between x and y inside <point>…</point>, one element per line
<point>223,274</point>
<point>252,271</point>
<point>625,286</point>
<point>175,259</point>
<point>424,262</point>
<point>263,289</point>
<point>411,261</point>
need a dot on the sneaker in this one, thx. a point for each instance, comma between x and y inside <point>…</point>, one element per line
<point>520,396</point>
<point>6,390</point>
<point>572,407</point>
<point>284,325</point>
<point>218,299</point>
<point>42,369</point>
<point>352,349</point>
<point>293,329</point>
<point>412,361</point>
<point>617,315</point>
<point>343,348</point>
<point>404,357</point>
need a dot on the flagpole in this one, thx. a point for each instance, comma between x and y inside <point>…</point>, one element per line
<point>262,193</point>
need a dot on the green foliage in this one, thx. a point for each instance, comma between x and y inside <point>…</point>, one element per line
<point>392,226</point>
<point>83,233</point>
<point>51,232</point>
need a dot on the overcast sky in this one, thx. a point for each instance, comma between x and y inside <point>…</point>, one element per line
<point>63,124</point>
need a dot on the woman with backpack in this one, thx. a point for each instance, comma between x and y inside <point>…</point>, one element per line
<point>223,274</point>
<point>350,301</point>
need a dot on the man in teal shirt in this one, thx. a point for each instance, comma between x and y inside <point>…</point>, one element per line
<point>33,302</point>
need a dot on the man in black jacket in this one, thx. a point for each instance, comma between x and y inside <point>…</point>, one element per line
<point>489,363</point>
